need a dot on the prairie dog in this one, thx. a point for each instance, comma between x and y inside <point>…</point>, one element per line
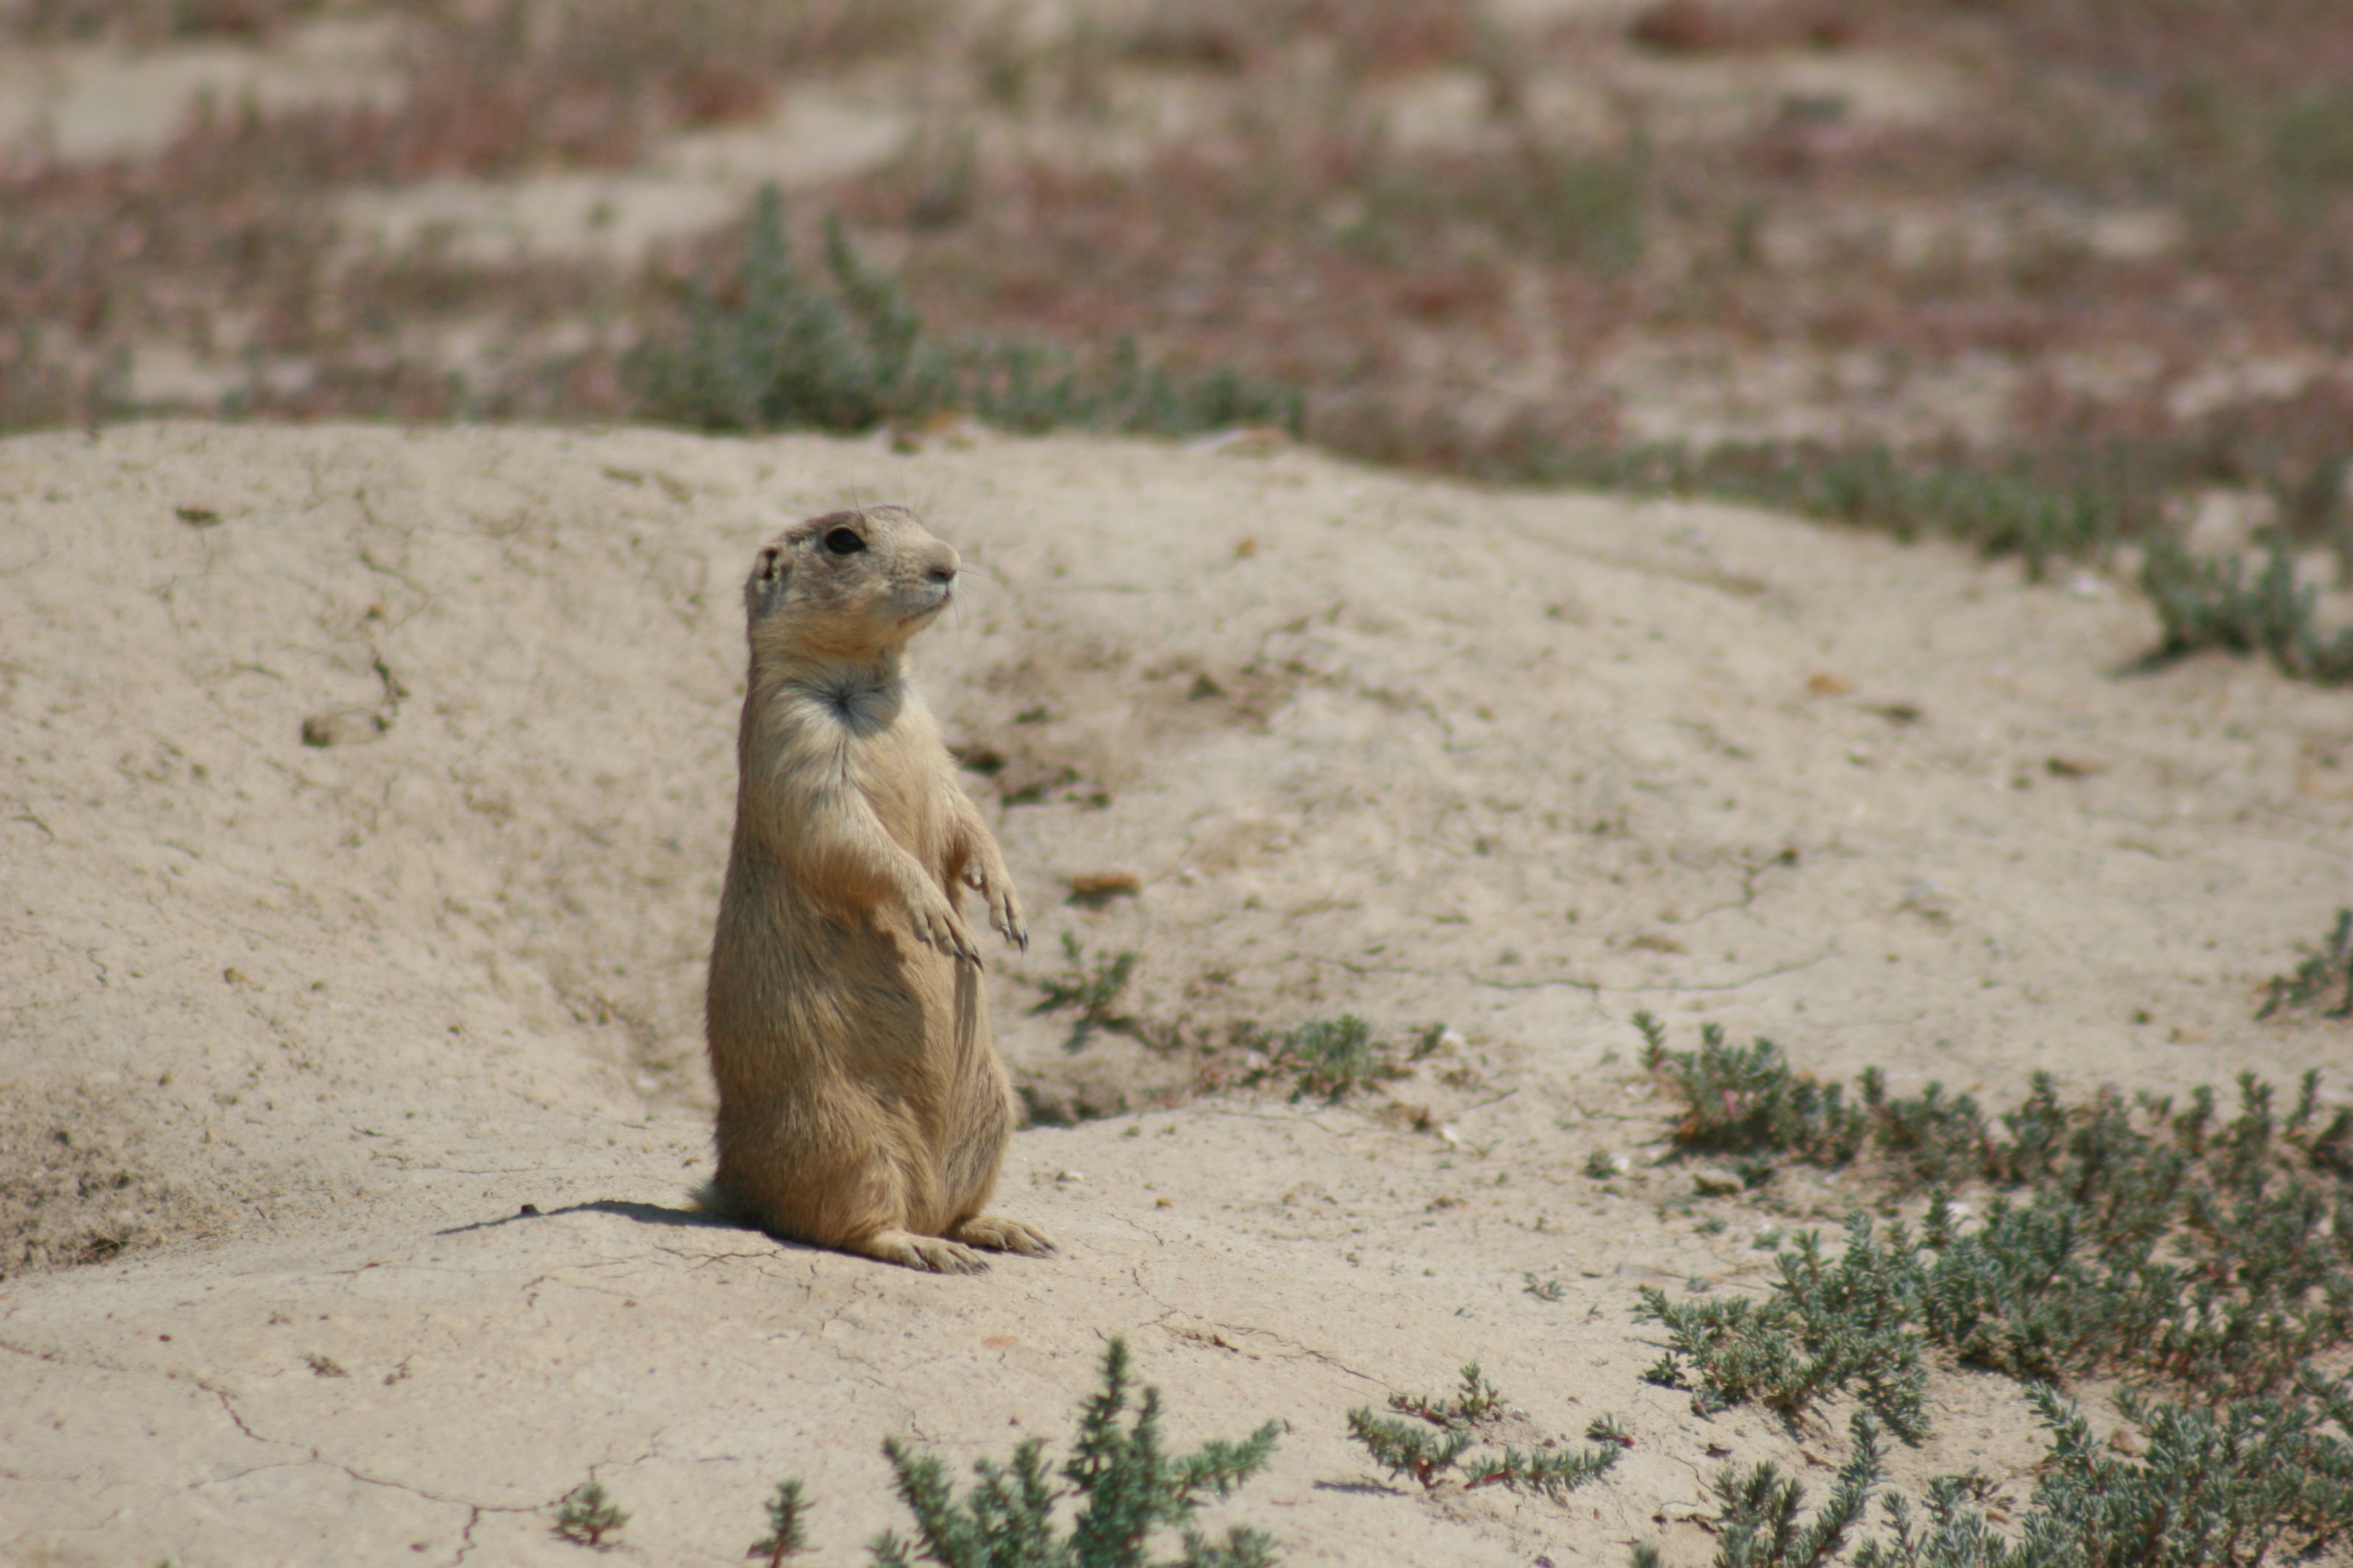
<point>861,1105</point>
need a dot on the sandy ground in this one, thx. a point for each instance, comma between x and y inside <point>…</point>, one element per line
<point>289,1034</point>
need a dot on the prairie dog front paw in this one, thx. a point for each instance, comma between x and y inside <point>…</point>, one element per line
<point>936,920</point>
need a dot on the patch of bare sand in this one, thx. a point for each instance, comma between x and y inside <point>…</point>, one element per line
<point>1521,763</point>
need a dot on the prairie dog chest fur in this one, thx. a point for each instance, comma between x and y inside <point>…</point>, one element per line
<point>862,1104</point>
<point>858,731</point>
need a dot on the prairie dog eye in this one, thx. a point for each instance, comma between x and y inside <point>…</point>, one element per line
<point>844,541</point>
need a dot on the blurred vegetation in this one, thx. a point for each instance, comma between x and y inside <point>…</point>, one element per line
<point>2211,603</point>
<point>2109,229</point>
<point>774,349</point>
<point>2325,977</point>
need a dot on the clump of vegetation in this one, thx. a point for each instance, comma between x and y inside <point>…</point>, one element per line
<point>1406,1451</point>
<point>2329,971</point>
<point>2209,601</point>
<point>2223,1488</point>
<point>587,1515</point>
<point>1826,1326</point>
<point>1090,990</point>
<point>1439,1450</point>
<point>1126,1489</point>
<point>2310,146</point>
<point>1758,1523</point>
<point>2212,1255</point>
<point>2067,503</point>
<point>1328,1057</point>
<point>773,348</point>
<point>2162,1242</point>
<point>1746,1100</point>
<point>2215,1254</point>
<point>1559,203</point>
<point>787,1533</point>
<point>1475,1400</point>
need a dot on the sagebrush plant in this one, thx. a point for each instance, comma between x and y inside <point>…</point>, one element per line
<point>2326,976</point>
<point>1439,1450</point>
<point>2208,1258</point>
<point>1126,1489</point>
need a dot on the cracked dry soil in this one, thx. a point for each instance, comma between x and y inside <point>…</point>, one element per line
<point>1523,763</point>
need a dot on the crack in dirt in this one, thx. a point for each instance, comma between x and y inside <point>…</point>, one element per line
<point>1776,971</point>
<point>1750,871</point>
<point>1297,1349</point>
<point>78,1528</point>
<point>311,1455</point>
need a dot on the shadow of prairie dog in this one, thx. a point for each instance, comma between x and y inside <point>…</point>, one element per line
<point>861,1105</point>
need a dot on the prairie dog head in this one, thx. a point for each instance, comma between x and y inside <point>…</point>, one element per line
<point>848,584</point>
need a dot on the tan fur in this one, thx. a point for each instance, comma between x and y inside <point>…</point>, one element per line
<point>861,1105</point>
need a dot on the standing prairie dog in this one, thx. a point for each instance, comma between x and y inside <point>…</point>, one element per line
<point>861,1105</point>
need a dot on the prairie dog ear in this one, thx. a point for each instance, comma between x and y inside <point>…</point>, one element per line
<point>763,589</point>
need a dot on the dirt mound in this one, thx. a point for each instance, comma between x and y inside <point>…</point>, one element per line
<point>364,807</point>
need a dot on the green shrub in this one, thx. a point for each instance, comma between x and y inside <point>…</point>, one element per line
<point>1126,1489</point>
<point>787,1533</point>
<point>1091,991</point>
<point>1758,1522</point>
<point>773,348</point>
<point>1826,1326</point>
<point>2209,601</point>
<point>1474,1401</point>
<point>587,1515</point>
<point>2312,148</point>
<point>2065,502</point>
<point>2328,970</point>
<point>2208,1255</point>
<point>1746,1100</point>
<point>1327,1058</point>
<point>1431,1458</point>
<point>2222,1488</point>
<point>2217,1255</point>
